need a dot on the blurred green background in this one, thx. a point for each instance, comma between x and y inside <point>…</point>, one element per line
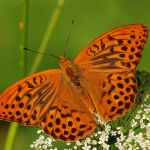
<point>92,18</point>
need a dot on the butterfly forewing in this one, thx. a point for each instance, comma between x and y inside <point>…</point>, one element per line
<point>47,100</point>
<point>23,102</point>
<point>116,51</point>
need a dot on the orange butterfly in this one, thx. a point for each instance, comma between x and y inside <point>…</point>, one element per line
<point>100,80</point>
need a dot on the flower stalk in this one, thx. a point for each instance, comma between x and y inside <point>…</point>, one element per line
<point>48,33</point>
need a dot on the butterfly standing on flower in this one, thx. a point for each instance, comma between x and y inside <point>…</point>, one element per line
<point>100,80</point>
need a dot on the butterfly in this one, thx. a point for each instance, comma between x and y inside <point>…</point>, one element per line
<point>101,80</point>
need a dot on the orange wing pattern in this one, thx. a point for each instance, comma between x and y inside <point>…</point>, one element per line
<point>112,94</point>
<point>68,118</point>
<point>107,63</point>
<point>27,100</point>
<point>101,79</point>
<point>46,100</point>
<point>116,51</point>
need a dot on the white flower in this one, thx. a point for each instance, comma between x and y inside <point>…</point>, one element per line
<point>75,147</point>
<point>94,148</point>
<point>86,147</point>
<point>32,146</point>
<point>94,142</point>
<point>133,123</point>
<point>39,131</point>
<point>88,140</point>
<point>44,146</point>
<point>68,143</point>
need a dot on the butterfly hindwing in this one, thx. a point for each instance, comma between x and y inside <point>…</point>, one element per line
<point>118,50</point>
<point>68,118</point>
<point>112,94</point>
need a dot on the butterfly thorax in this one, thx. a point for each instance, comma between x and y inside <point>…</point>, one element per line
<point>70,70</point>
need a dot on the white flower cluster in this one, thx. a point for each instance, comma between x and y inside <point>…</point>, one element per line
<point>95,141</point>
<point>43,143</point>
<point>137,137</point>
<point>139,134</point>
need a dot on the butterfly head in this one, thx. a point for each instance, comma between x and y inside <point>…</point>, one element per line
<point>64,61</point>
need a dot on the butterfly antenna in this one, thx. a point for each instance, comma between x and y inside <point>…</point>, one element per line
<point>69,35</point>
<point>33,51</point>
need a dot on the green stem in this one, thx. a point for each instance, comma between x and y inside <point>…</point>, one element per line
<point>11,136</point>
<point>47,35</point>
<point>24,39</point>
<point>23,63</point>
